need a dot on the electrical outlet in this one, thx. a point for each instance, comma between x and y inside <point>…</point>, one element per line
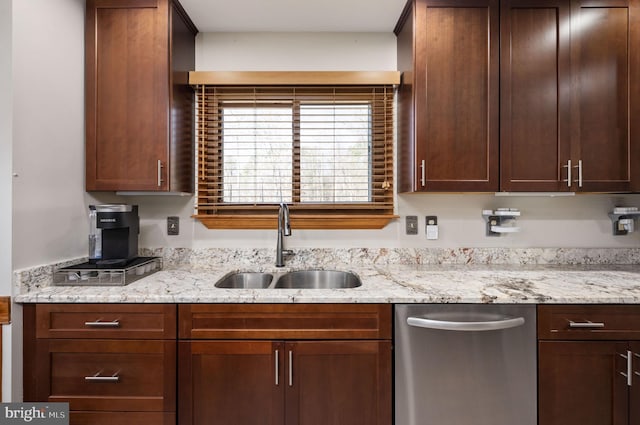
<point>412,224</point>
<point>173,226</point>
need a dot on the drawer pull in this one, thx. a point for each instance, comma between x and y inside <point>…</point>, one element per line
<point>100,324</point>
<point>277,356</point>
<point>628,357</point>
<point>586,325</point>
<point>98,378</point>
<point>290,368</point>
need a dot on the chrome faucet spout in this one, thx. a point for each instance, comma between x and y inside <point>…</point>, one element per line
<point>284,229</point>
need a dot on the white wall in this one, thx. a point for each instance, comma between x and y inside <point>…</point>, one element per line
<point>49,202</point>
<point>48,205</point>
<point>296,51</point>
<point>5,145</point>
<point>5,185</point>
<point>579,221</point>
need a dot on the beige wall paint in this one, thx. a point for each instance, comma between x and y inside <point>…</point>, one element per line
<point>6,100</point>
<point>6,124</point>
<point>49,200</point>
<point>579,221</point>
<point>49,203</point>
<point>296,51</point>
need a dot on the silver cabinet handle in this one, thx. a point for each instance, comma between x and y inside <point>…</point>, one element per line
<point>277,355</point>
<point>290,368</point>
<point>159,173</point>
<point>586,325</point>
<point>100,324</point>
<point>568,167</point>
<point>579,167</point>
<point>98,378</point>
<point>628,375</point>
<point>446,325</point>
<point>423,173</point>
<point>638,356</point>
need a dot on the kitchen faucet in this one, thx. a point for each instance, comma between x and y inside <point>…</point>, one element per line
<point>284,229</point>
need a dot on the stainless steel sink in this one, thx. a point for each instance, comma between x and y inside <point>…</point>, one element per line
<point>318,279</point>
<point>302,279</point>
<point>245,280</point>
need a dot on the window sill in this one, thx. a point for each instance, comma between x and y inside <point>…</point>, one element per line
<point>324,221</point>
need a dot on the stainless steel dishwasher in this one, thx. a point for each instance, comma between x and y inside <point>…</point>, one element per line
<point>465,364</point>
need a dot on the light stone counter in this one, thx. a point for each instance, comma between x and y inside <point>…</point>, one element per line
<point>381,283</point>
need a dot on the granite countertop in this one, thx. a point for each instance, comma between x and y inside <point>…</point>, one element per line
<point>598,284</point>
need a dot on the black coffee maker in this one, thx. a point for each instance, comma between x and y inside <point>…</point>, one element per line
<point>113,234</point>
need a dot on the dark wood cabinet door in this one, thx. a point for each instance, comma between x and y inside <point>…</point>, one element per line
<point>127,94</point>
<point>535,95</point>
<point>580,322</point>
<point>107,375</point>
<point>106,321</point>
<point>338,383</point>
<point>580,383</point>
<point>231,382</point>
<point>121,418</point>
<point>285,321</point>
<point>456,95</point>
<point>604,50</point>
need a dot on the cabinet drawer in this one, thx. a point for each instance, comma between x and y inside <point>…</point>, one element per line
<point>122,321</point>
<point>108,375</point>
<point>589,322</point>
<point>121,418</point>
<point>285,321</point>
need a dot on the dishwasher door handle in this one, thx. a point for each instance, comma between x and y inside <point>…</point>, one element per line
<point>447,325</point>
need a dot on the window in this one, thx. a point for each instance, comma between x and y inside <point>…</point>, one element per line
<point>325,151</point>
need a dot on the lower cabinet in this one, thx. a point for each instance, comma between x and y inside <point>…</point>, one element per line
<point>235,364</point>
<point>103,361</point>
<point>589,365</point>
<point>336,380</point>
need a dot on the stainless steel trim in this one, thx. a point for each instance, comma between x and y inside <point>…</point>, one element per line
<point>99,324</point>
<point>629,374</point>
<point>568,167</point>
<point>98,378</point>
<point>277,355</point>
<point>423,173</point>
<point>159,173</point>
<point>446,325</point>
<point>112,208</point>
<point>586,325</point>
<point>290,368</point>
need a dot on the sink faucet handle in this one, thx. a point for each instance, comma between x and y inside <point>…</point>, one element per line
<point>286,222</point>
<point>284,229</point>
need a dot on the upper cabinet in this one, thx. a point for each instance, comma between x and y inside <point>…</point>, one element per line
<point>139,106</point>
<point>448,129</point>
<point>569,96</point>
<point>605,103</point>
<point>535,131</point>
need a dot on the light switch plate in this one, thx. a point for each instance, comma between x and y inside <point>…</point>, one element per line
<point>173,226</point>
<point>412,224</point>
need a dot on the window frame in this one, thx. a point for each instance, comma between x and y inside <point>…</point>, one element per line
<point>372,215</point>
